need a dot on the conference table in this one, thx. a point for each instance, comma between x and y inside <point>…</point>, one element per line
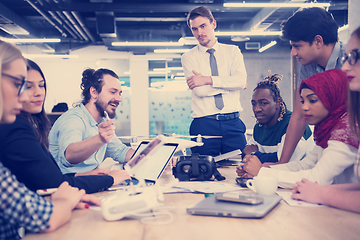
<point>283,222</point>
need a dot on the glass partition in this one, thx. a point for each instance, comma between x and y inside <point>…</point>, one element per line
<point>169,98</point>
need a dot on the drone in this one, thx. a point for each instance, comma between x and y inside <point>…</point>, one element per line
<point>172,138</point>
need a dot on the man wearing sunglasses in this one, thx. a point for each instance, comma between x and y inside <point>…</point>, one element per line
<point>313,36</point>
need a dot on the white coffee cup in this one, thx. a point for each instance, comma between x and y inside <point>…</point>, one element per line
<point>263,185</point>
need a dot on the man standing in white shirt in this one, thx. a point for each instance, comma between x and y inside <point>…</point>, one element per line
<point>215,73</point>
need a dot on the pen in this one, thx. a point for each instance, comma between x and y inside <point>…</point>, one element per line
<point>44,192</point>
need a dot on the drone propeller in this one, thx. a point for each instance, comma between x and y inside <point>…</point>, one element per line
<point>136,139</point>
<point>198,137</point>
<point>134,136</point>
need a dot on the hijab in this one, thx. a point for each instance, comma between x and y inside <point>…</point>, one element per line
<point>331,87</point>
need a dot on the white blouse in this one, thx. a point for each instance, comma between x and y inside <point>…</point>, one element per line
<point>333,164</point>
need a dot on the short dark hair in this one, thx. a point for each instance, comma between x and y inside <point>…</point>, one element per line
<point>201,11</point>
<point>306,23</point>
<point>92,78</point>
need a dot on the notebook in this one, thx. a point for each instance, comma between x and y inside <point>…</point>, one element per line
<point>212,207</point>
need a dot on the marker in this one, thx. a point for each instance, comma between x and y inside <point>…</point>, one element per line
<point>106,115</point>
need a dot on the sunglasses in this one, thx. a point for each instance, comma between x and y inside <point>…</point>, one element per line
<point>22,86</point>
<point>352,57</point>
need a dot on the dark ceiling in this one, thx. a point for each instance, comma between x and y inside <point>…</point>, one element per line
<point>80,23</point>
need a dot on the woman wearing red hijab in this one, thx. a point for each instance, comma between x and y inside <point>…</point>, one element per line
<point>324,102</point>
<point>343,196</point>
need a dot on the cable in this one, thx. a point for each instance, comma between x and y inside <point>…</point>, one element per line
<point>154,216</point>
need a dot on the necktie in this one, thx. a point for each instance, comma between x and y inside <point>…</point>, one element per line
<point>219,103</point>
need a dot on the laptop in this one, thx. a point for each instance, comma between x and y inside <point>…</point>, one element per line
<point>151,167</point>
<point>212,207</point>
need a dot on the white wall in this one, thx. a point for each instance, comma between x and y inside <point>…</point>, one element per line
<point>64,78</point>
<point>257,65</point>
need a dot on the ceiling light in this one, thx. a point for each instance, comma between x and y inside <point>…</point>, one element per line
<point>150,44</point>
<point>239,38</point>
<point>13,29</point>
<point>31,40</point>
<point>275,5</point>
<point>272,43</point>
<point>249,33</point>
<point>171,50</point>
<point>64,56</point>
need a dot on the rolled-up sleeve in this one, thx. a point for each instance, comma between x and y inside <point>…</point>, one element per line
<point>116,150</point>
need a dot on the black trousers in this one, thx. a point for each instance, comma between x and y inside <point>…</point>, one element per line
<point>232,132</point>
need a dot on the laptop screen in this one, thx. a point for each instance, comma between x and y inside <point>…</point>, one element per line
<point>155,165</point>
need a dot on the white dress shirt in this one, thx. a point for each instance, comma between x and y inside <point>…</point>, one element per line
<point>232,78</point>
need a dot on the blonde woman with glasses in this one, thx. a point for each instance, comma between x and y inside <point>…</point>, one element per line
<point>21,208</point>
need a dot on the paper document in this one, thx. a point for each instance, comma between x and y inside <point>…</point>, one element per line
<point>292,202</point>
<point>207,186</point>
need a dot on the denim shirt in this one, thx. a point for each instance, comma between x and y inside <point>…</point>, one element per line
<point>334,62</point>
<point>77,125</point>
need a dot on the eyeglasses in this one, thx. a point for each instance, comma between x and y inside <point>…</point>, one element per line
<point>352,57</point>
<point>22,86</point>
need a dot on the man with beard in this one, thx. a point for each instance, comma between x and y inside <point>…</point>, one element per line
<point>215,73</point>
<point>83,137</point>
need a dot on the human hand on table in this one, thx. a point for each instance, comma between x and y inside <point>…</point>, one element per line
<point>241,172</point>
<point>119,176</point>
<point>73,197</point>
<point>252,165</point>
<point>307,191</point>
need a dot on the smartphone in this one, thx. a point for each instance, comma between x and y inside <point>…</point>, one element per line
<point>238,197</point>
<point>242,181</point>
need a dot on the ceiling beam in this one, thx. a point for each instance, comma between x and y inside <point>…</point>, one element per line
<point>154,8</point>
<point>15,19</point>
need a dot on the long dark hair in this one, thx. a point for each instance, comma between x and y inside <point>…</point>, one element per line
<point>39,121</point>
<point>354,110</point>
<point>354,101</point>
